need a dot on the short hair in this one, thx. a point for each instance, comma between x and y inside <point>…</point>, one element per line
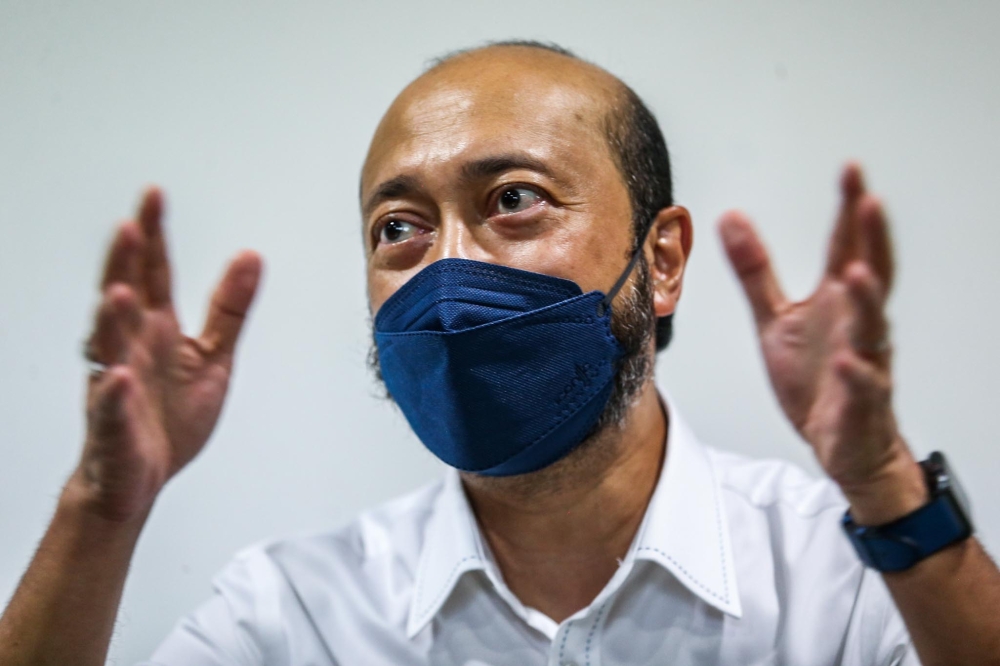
<point>638,148</point>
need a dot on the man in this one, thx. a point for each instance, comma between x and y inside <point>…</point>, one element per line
<point>524,260</point>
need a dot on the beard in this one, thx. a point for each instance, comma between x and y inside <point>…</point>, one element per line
<point>633,323</point>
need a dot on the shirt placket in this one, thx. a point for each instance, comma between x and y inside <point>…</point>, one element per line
<point>578,642</point>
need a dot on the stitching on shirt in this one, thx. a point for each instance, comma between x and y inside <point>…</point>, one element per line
<point>562,647</point>
<point>722,556</point>
<point>687,573</point>
<point>445,588</point>
<point>593,629</point>
<point>718,525</point>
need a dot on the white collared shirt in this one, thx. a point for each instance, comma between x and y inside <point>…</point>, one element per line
<point>737,562</point>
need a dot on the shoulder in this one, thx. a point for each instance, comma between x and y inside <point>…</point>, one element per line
<point>392,529</point>
<point>288,600</point>
<point>791,552</point>
<point>779,513</point>
<point>767,484</point>
<point>375,551</point>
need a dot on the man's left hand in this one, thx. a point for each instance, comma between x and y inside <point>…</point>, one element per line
<point>829,357</point>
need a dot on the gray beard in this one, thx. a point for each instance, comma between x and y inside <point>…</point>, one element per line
<point>633,323</point>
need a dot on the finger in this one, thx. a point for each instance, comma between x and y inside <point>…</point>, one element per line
<point>753,267</point>
<point>868,383</point>
<point>845,242</point>
<point>155,265</point>
<point>869,330</point>
<point>867,412</point>
<point>119,318</point>
<point>877,241</point>
<point>123,261</point>
<point>230,303</point>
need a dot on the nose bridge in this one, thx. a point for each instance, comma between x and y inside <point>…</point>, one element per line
<point>454,238</point>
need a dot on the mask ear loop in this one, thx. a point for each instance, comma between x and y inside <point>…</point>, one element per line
<point>605,304</point>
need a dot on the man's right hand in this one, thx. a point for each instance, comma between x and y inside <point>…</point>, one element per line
<point>148,414</point>
<point>155,406</point>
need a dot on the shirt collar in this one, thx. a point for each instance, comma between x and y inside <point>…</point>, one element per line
<point>451,547</point>
<point>684,530</point>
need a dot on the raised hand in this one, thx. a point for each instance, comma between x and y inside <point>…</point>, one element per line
<point>153,408</point>
<point>828,356</point>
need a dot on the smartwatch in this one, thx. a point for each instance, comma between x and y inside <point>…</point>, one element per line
<point>899,545</point>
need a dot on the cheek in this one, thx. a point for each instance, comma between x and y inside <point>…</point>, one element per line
<point>604,263</point>
<point>604,247</point>
<point>390,268</point>
<point>382,285</point>
<point>582,251</point>
<point>598,253</point>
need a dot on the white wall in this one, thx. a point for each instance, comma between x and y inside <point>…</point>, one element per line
<point>255,119</point>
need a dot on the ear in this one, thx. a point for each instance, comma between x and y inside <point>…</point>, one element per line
<point>667,248</point>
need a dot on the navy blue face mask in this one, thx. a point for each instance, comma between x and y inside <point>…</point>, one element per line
<point>499,371</point>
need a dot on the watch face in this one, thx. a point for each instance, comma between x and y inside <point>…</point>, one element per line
<point>946,481</point>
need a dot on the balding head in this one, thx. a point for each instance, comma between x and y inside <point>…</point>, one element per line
<point>513,89</point>
<point>512,80</point>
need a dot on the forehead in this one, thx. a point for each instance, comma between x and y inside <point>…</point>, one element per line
<point>546,105</point>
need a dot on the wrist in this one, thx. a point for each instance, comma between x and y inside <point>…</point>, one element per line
<point>82,504</point>
<point>895,490</point>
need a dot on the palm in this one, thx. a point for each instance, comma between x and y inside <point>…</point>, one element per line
<point>822,353</point>
<point>157,404</point>
<point>184,386</point>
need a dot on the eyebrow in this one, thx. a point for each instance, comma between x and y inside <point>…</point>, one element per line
<point>494,165</point>
<point>390,189</point>
<point>486,167</point>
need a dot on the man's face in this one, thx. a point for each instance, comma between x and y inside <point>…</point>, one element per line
<point>497,156</point>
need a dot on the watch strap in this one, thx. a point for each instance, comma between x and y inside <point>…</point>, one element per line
<point>899,545</point>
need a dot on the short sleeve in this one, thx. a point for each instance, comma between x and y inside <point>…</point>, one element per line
<point>237,626</point>
<point>877,635</point>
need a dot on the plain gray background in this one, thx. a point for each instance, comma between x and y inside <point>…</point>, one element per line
<point>255,118</point>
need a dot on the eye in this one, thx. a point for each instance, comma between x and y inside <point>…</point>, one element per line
<point>516,199</point>
<point>396,231</point>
